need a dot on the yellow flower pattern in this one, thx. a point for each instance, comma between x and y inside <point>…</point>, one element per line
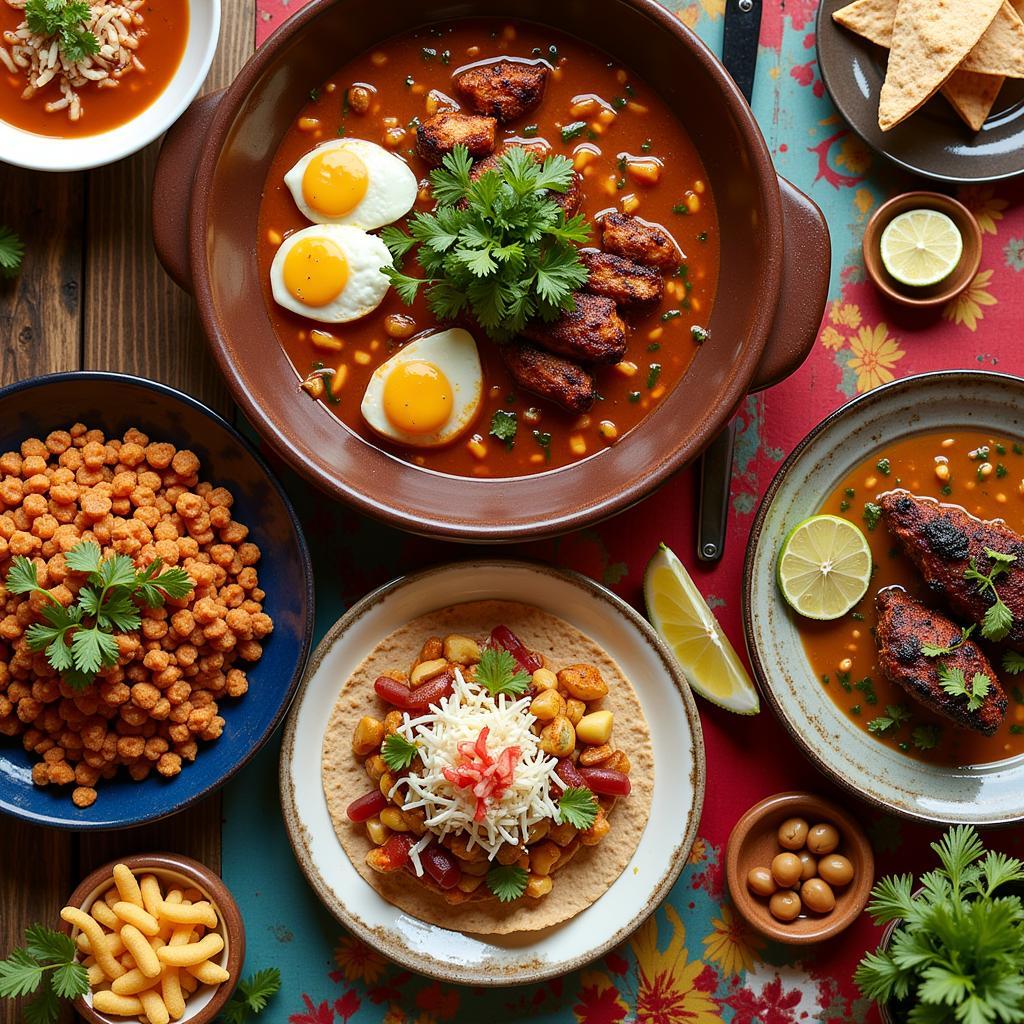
<point>875,353</point>
<point>732,944</point>
<point>845,314</point>
<point>832,339</point>
<point>357,961</point>
<point>966,308</point>
<point>987,209</point>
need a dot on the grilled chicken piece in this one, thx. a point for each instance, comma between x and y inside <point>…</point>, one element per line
<point>942,540</point>
<point>639,240</point>
<point>559,380</point>
<point>620,279</point>
<point>904,624</point>
<point>441,133</point>
<point>505,89</point>
<point>592,333</point>
<point>570,201</point>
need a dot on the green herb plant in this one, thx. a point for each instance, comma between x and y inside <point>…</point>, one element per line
<point>933,651</point>
<point>251,996</point>
<point>504,425</point>
<point>498,247</point>
<point>507,882</point>
<point>47,964</point>
<point>578,807</point>
<point>64,19</point>
<point>998,619</point>
<point>957,952</point>
<point>955,683</point>
<point>398,752</point>
<point>12,252</point>
<point>499,672</point>
<point>80,640</point>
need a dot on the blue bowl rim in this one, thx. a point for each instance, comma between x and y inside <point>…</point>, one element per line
<point>307,574</point>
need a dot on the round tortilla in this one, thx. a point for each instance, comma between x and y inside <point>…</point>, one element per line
<point>592,870</point>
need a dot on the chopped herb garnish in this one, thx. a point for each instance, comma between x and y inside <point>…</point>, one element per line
<point>1001,470</point>
<point>654,346</point>
<point>702,237</point>
<point>980,454</point>
<point>1013,662</point>
<point>867,687</point>
<point>64,19</point>
<point>634,396</point>
<point>926,737</point>
<point>646,146</point>
<point>1000,449</point>
<point>504,426</point>
<point>544,440</point>
<point>872,514</point>
<point>618,102</point>
<point>998,619</point>
<point>843,678</point>
<point>1018,449</point>
<point>314,95</point>
<point>499,672</point>
<point>947,490</point>
<point>1016,729</point>
<point>699,334</point>
<point>681,208</point>
<point>409,81</point>
<point>931,651</point>
<point>857,616</point>
<point>251,996</point>
<point>670,314</point>
<point>578,807</point>
<point>553,52</point>
<point>428,53</point>
<point>530,130</point>
<point>855,710</point>
<point>849,492</point>
<point>883,466</point>
<point>653,374</point>
<point>398,752</point>
<point>954,682</point>
<point>844,505</point>
<point>507,882</point>
<point>895,716</point>
<point>12,252</point>
<point>573,130</point>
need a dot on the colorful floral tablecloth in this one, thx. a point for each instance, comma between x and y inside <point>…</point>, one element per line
<point>693,962</point>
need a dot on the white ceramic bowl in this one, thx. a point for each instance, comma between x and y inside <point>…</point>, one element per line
<point>991,794</point>
<point>671,714</point>
<point>42,153</point>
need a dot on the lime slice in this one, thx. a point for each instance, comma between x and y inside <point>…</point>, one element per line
<point>824,567</point>
<point>685,622</point>
<point>921,247</point>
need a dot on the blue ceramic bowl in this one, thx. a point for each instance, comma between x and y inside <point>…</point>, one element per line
<point>113,403</point>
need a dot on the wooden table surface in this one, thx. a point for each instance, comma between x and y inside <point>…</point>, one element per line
<point>93,296</point>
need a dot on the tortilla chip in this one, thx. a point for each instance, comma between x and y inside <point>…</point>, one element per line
<point>972,96</point>
<point>1000,50</point>
<point>592,870</point>
<point>930,39</point>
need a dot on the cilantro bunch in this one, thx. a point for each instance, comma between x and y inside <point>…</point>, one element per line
<point>79,640</point>
<point>12,252</point>
<point>957,953</point>
<point>998,620</point>
<point>66,20</point>
<point>47,956</point>
<point>499,247</point>
<point>251,996</point>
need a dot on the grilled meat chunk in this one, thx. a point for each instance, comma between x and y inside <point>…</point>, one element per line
<point>904,624</point>
<point>592,333</point>
<point>639,240</point>
<point>570,201</point>
<point>441,133</point>
<point>505,89</point>
<point>559,380</point>
<point>620,279</point>
<point>943,540</point>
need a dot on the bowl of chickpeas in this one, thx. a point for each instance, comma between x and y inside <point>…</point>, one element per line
<point>161,938</point>
<point>799,868</point>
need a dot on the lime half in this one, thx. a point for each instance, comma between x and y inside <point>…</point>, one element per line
<point>824,567</point>
<point>921,247</point>
<point>685,622</point>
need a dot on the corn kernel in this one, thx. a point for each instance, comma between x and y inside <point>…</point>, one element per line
<point>621,77</point>
<point>584,154</point>
<point>377,831</point>
<point>424,194</point>
<point>536,459</point>
<point>985,469</point>
<point>418,89</point>
<point>596,127</point>
<point>476,447</point>
<point>595,728</point>
<point>949,442</point>
<point>695,304</point>
<point>608,430</point>
<point>390,122</point>
<point>393,819</point>
<point>362,358</point>
<point>308,124</point>
<point>870,482</point>
<point>330,87</point>
<point>314,386</point>
<point>583,106</point>
<point>610,185</point>
<point>845,665</point>
<point>655,334</point>
<point>338,379</point>
<point>1001,498</point>
<point>606,116</point>
<point>693,202</point>
<point>582,423</point>
<point>698,187</point>
<point>395,137</point>
<point>378,59</point>
<point>326,341</point>
<point>658,392</point>
<point>472,51</point>
<point>274,237</point>
<point>630,203</point>
<point>646,171</point>
<point>636,108</point>
<point>544,679</point>
<point>577,445</point>
<point>557,74</point>
<point>942,470</point>
<point>628,369</point>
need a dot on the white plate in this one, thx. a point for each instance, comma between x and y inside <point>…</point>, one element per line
<point>675,808</point>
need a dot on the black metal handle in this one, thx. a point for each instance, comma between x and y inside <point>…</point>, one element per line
<point>716,481</point>
<point>739,44</point>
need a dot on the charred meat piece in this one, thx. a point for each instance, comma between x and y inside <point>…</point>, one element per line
<point>441,133</point>
<point>570,201</point>
<point>639,240</point>
<point>904,624</point>
<point>505,89</point>
<point>620,279</point>
<point>559,380</point>
<point>943,540</point>
<point>592,333</point>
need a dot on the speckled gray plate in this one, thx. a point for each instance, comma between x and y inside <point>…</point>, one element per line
<point>933,141</point>
<point>991,794</point>
<point>672,717</point>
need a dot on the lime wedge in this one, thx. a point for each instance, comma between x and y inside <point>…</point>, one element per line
<point>685,622</point>
<point>824,567</point>
<point>921,247</point>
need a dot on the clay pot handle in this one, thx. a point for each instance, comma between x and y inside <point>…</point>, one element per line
<point>172,186</point>
<point>807,260</point>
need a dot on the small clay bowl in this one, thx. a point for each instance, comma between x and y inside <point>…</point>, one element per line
<point>203,1005</point>
<point>754,842</point>
<point>932,295</point>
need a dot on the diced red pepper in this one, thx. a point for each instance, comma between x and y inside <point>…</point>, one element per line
<point>504,637</point>
<point>570,774</point>
<point>488,777</point>
<point>441,866</point>
<point>414,699</point>
<point>365,807</point>
<point>394,854</point>
<point>606,781</point>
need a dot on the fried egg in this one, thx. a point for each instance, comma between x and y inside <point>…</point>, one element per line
<point>330,272</point>
<point>354,182</point>
<point>427,394</point>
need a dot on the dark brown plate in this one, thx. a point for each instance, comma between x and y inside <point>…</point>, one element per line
<point>934,141</point>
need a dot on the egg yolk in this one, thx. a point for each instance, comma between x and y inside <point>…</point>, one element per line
<point>417,397</point>
<point>334,182</point>
<point>315,271</point>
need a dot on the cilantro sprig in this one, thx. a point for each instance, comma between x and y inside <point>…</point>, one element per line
<point>12,252</point>
<point>79,640</point>
<point>507,882</point>
<point>498,247</point>
<point>66,20</point>
<point>578,807</point>
<point>933,651</point>
<point>48,956</point>
<point>895,716</point>
<point>954,682</point>
<point>499,672</point>
<point>504,425</point>
<point>398,752</point>
<point>998,619</point>
<point>251,996</point>
<point>1013,663</point>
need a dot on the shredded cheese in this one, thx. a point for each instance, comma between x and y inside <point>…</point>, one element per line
<point>450,809</point>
